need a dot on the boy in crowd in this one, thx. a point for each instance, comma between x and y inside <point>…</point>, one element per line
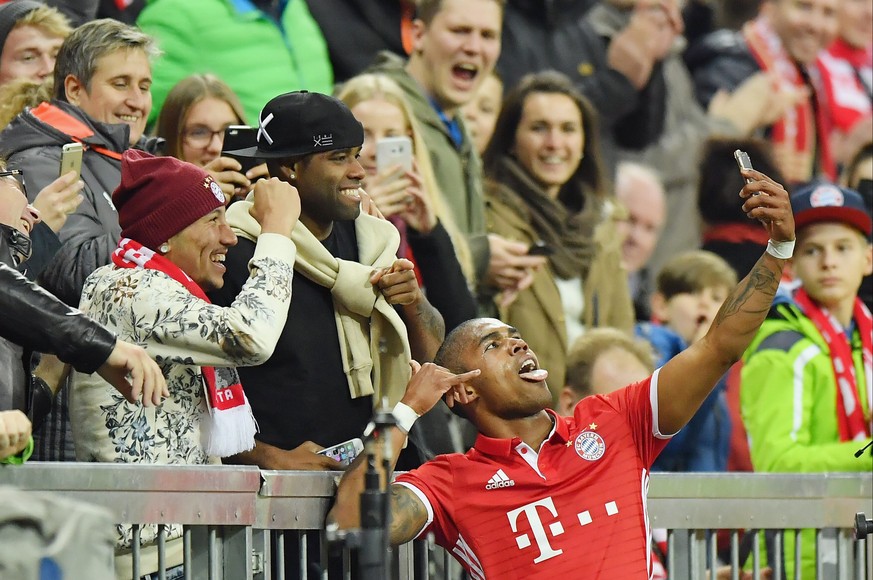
<point>814,339</point>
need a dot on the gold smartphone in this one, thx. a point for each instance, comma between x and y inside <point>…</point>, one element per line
<point>71,159</point>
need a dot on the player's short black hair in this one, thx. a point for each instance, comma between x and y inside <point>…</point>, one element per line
<point>449,355</point>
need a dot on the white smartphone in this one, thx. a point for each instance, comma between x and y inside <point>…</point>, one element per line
<point>344,452</point>
<point>71,159</point>
<point>393,151</point>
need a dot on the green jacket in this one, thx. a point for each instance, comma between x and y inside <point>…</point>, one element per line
<point>239,44</point>
<point>458,171</point>
<point>788,401</point>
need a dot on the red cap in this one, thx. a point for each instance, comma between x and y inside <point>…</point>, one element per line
<point>160,196</point>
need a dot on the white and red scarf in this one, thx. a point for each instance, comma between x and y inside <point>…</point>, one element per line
<point>852,424</point>
<point>230,426</point>
<point>797,133</point>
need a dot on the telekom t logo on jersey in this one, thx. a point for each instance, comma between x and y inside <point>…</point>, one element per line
<point>537,528</point>
<point>532,512</point>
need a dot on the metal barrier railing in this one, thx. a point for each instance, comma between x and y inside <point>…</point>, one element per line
<point>241,522</point>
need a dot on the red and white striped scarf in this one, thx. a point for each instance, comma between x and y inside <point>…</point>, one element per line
<point>231,427</point>
<point>852,424</point>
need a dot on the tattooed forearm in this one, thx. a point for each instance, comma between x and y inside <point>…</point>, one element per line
<point>408,515</point>
<point>761,283</point>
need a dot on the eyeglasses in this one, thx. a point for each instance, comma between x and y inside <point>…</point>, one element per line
<point>201,135</point>
<point>18,174</point>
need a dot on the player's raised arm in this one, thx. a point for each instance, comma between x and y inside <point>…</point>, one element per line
<point>686,380</point>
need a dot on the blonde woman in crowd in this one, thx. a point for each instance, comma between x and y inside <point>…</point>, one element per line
<point>193,119</point>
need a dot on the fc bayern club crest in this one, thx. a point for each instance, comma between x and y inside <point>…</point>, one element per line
<point>590,446</point>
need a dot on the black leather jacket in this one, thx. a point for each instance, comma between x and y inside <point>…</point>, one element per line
<point>34,320</point>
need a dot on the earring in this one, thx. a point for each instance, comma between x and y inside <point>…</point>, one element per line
<point>165,247</point>
<point>292,176</point>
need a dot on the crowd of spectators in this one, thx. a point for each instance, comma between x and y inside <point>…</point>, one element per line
<point>571,174</point>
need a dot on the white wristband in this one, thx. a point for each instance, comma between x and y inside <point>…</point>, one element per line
<point>405,416</point>
<point>781,250</point>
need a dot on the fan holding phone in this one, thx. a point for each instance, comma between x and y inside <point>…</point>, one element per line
<point>201,119</point>
<point>60,198</point>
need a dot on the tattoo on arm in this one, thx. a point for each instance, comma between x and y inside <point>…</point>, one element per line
<point>431,320</point>
<point>408,515</point>
<point>761,281</point>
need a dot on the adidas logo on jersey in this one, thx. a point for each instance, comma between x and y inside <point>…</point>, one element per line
<point>499,480</point>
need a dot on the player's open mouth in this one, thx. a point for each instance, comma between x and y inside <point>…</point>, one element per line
<point>531,373</point>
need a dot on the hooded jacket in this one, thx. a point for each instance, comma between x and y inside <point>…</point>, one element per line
<point>32,143</point>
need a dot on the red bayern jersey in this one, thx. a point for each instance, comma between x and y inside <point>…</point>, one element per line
<point>576,507</point>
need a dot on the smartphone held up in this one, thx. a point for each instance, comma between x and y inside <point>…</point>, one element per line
<point>392,152</point>
<point>240,137</point>
<point>743,161</point>
<point>71,159</point>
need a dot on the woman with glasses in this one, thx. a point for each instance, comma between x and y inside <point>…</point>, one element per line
<point>193,119</point>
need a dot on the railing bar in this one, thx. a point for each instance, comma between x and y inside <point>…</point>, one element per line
<point>162,552</point>
<point>347,561</point>
<point>280,555</point>
<point>756,554</point>
<point>713,549</point>
<point>798,561</point>
<point>134,551</point>
<point>213,553</point>
<point>303,550</point>
<point>323,553</point>
<point>671,551</point>
<point>778,555</point>
<point>859,559</point>
<point>819,565</point>
<point>697,549</point>
<point>187,555</point>
<point>735,555</point>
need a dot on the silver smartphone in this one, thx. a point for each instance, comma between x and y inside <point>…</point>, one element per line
<point>71,159</point>
<point>743,161</point>
<point>393,151</point>
<point>344,452</point>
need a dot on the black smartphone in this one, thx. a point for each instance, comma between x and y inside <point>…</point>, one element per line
<point>540,249</point>
<point>743,161</point>
<point>239,137</point>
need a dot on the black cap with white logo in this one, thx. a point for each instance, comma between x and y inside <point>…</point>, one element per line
<point>300,123</point>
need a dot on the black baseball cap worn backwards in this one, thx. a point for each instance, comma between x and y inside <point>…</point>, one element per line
<point>825,202</point>
<point>301,123</point>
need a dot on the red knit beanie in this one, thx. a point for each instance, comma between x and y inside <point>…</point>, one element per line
<point>160,196</point>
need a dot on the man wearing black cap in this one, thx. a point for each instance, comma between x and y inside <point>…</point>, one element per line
<point>806,383</point>
<point>357,316</point>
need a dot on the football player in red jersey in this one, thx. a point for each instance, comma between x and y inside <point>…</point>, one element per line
<point>541,495</point>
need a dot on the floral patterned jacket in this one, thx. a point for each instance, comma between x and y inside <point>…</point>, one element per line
<point>181,332</point>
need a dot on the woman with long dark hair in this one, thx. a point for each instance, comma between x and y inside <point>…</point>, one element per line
<point>545,186</point>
